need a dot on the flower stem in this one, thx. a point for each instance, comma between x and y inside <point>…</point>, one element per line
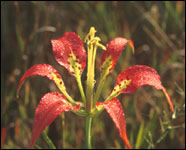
<point>69,98</point>
<point>48,140</point>
<point>98,91</point>
<point>78,78</point>
<point>63,127</point>
<point>88,132</point>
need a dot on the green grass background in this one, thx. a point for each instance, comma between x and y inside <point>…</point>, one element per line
<point>158,32</point>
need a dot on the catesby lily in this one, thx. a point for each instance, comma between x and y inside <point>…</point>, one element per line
<point>70,53</point>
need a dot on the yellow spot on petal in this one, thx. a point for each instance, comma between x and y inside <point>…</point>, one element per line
<point>121,86</point>
<point>59,82</point>
<point>106,66</point>
<point>75,67</point>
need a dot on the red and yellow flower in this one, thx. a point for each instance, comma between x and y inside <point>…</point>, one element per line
<point>70,53</point>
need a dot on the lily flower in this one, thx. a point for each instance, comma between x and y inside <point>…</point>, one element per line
<point>70,53</point>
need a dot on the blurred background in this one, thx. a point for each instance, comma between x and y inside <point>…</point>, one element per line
<point>158,32</point>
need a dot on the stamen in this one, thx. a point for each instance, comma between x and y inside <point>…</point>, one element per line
<point>91,34</point>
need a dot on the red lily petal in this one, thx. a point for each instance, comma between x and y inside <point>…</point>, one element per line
<point>51,105</point>
<point>114,109</point>
<point>113,51</point>
<point>141,75</point>
<point>69,52</point>
<point>43,70</point>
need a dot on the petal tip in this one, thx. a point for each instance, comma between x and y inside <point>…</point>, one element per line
<point>168,99</point>
<point>131,45</point>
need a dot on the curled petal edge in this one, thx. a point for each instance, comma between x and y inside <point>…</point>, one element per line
<point>140,75</point>
<point>114,109</point>
<point>51,105</point>
<point>44,70</point>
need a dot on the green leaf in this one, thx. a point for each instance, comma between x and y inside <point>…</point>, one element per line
<point>139,140</point>
<point>162,137</point>
<point>48,140</point>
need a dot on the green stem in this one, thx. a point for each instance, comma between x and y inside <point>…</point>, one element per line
<point>107,65</point>
<point>63,127</point>
<point>99,89</point>
<point>96,113</point>
<point>48,140</point>
<point>90,83</point>
<point>69,98</point>
<point>111,96</point>
<point>78,78</point>
<point>88,132</point>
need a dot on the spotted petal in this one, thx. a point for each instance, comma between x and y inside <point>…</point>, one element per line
<point>114,109</point>
<point>112,53</point>
<point>51,105</point>
<point>43,70</point>
<point>70,53</point>
<point>137,76</point>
